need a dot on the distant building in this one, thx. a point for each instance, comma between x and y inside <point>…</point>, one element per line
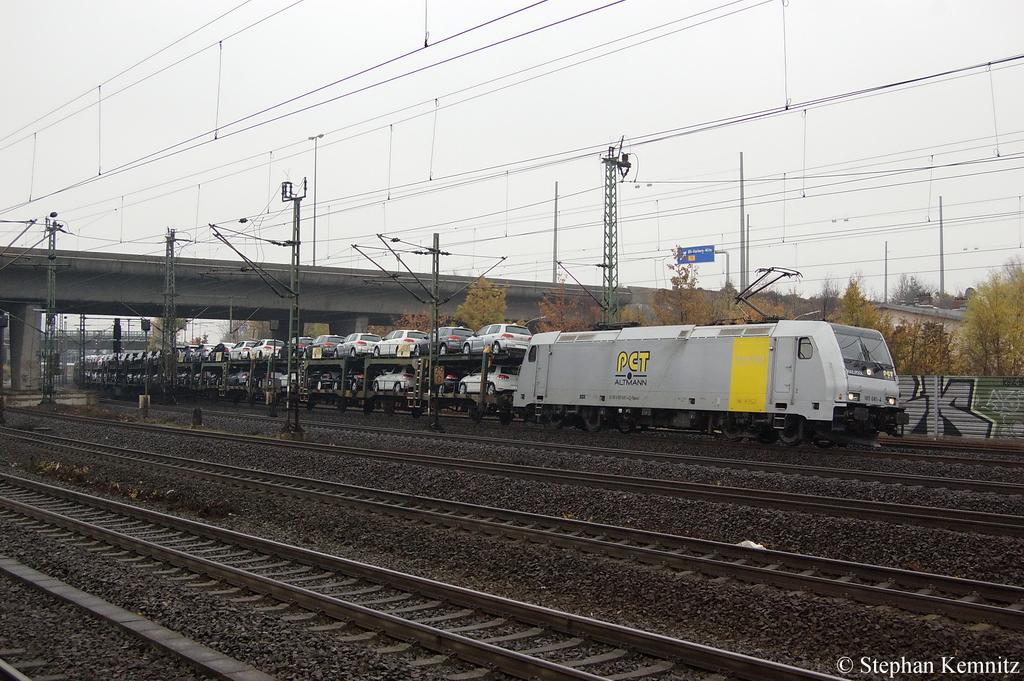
<point>952,320</point>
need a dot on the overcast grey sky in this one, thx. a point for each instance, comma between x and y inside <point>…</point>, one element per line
<point>128,118</point>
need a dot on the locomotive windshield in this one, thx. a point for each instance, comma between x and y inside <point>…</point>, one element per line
<point>864,352</point>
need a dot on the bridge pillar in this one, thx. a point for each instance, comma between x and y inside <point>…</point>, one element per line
<point>26,343</point>
<point>347,326</point>
<point>281,332</point>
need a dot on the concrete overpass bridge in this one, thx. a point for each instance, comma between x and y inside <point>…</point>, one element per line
<point>348,300</point>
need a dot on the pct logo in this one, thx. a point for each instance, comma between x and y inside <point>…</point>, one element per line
<point>631,368</point>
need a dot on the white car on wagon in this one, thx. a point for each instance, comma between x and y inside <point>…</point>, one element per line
<point>390,344</point>
<point>499,337</point>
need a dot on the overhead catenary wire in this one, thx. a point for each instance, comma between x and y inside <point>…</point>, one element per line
<point>516,208</point>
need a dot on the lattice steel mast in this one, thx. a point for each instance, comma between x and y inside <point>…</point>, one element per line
<point>614,165</point>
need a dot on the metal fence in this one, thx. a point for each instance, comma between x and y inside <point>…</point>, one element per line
<point>964,406</point>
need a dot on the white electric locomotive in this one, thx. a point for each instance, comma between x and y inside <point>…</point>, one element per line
<point>785,380</point>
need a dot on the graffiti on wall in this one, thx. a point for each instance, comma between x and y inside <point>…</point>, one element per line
<point>964,406</point>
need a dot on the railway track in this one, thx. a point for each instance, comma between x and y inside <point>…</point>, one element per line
<point>911,448</point>
<point>737,464</point>
<point>958,598</point>
<point>954,520</point>
<point>515,638</point>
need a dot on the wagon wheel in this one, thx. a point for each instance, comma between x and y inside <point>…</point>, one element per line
<point>342,403</point>
<point>476,414</point>
<point>368,405</point>
<point>389,407</point>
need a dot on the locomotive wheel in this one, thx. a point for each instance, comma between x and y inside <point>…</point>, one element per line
<point>505,417</point>
<point>793,433</point>
<point>625,422</point>
<point>556,417</point>
<point>591,419</point>
<point>731,430</point>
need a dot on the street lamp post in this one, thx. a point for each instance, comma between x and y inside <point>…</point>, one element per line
<point>315,139</point>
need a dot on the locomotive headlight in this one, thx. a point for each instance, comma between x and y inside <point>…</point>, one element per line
<point>891,401</point>
<point>853,397</point>
<point>868,372</point>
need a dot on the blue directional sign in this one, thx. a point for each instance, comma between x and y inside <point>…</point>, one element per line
<point>685,256</point>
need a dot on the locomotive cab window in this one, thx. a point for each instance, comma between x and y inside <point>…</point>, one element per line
<point>804,349</point>
<point>532,357</point>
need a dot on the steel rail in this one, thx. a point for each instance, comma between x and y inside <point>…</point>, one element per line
<point>480,652</point>
<point>913,591</point>
<point>924,516</point>
<point>911,443</point>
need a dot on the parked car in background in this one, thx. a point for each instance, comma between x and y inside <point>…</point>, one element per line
<point>324,346</point>
<point>397,379</point>
<point>448,339</point>
<point>359,344</point>
<point>500,379</point>
<point>499,337</point>
<point>389,345</point>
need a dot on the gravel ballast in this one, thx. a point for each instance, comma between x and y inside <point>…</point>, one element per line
<point>795,628</point>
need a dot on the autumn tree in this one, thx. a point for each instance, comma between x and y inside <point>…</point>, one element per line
<point>921,348</point>
<point>684,303</point>
<point>485,304</point>
<point>855,310</point>
<point>992,336</point>
<point>559,311</point>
